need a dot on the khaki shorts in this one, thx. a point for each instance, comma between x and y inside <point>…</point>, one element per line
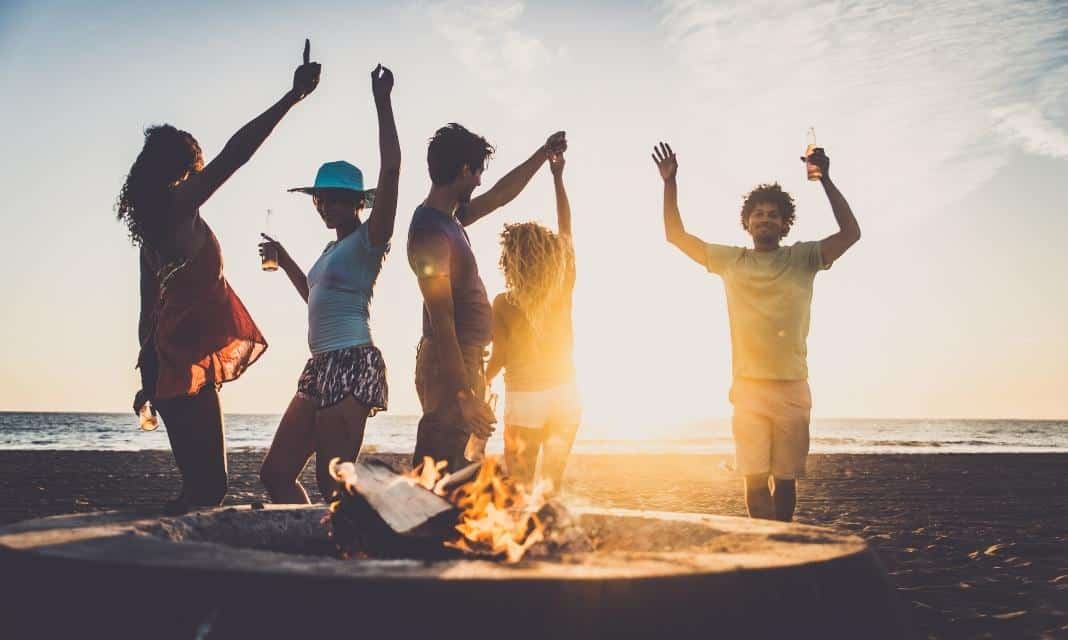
<point>558,406</point>
<point>770,425</point>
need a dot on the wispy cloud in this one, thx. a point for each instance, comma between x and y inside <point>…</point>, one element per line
<point>486,37</point>
<point>933,94</point>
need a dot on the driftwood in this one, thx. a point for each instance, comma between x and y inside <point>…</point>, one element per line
<point>397,500</point>
<point>382,513</point>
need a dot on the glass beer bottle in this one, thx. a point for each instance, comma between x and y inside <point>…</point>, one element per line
<point>814,172</point>
<point>476,445</point>
<point>270,251</point>
<point>147,418</point>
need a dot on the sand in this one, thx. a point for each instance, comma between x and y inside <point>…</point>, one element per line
<point>977,543</point>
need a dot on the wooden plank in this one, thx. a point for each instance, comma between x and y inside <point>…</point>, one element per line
<point>401,503</point>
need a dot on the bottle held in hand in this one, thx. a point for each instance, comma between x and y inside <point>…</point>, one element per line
<point>476,445</point>
<point>814,172</point>
<point>147,417</point>
<point>269,254</point>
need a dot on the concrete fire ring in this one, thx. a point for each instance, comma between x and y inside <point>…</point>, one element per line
<point>234,572</point>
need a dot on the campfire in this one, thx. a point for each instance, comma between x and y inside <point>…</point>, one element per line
<point>479,511</point>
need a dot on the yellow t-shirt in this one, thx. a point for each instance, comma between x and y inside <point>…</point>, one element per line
<point>769,295</point>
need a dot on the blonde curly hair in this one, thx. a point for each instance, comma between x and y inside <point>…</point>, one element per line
<point>535,262</point>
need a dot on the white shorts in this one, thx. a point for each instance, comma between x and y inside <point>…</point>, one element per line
<point>770,425</point>
<point>536,409</point>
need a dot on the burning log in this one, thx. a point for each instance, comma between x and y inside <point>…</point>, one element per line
<point>479,511</point>
<point>402,503</point>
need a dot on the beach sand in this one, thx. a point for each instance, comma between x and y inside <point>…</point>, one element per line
<point>977,543</point>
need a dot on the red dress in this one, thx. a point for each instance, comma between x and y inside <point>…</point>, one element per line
<point>203,333</point>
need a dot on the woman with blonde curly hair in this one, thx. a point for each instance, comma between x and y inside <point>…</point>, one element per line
<point>533,339</point>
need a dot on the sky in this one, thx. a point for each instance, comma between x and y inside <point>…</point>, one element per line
<point>946,123</point>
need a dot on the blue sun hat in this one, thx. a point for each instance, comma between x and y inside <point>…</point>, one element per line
<point>339,175</point>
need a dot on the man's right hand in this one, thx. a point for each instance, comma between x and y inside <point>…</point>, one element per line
<point>476,414</point>
<point>556,144</point>
<point>665,161</point>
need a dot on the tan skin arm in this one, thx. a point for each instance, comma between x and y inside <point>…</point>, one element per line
<point>499,357</point>
<point>833,246</point>
<point>668,166</point>
<point>437,294</point>
<point>512,184</point>
<point>384,212</point>
<point>563,206</point>
<point>198,187</point>
<point>290,266</point>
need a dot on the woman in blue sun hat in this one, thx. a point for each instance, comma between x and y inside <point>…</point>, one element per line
<point>344,381</point>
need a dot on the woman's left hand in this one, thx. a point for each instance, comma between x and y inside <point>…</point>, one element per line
<point>140,398</point>
<point>381,82</point>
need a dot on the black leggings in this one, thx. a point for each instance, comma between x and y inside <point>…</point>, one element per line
<point>195,428</point>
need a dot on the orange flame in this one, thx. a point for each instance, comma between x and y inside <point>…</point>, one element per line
<point>499,517</point>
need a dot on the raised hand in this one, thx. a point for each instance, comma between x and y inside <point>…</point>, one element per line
<point>556,163</point>
<point>819,158</point>
<point>306,77</point>
<point>556,144</point>
<point>665,161</point>
<point>381,82</point>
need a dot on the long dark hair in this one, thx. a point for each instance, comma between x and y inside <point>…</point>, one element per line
<point>168,157</point>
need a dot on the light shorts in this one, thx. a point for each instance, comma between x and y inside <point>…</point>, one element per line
<point>770,425</point>
<point>557,406</point>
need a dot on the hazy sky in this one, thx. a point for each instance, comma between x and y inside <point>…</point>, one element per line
<point>946,122</point>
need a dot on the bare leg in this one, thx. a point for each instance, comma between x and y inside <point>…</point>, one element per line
<point>558,442</point>
<point>521,446</point>
<point>293,444</point>
<point>338,434</point>
<point>758,497</point>
<point>785,498</point>
<point>195,429</point>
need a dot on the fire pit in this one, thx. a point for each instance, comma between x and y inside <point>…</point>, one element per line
<point>272,571</point>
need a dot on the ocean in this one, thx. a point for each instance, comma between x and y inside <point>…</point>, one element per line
<point>396,434</point>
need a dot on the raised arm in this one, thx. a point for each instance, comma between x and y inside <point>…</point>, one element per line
<point>833,246</point>
<point>668,165</point>
<point>511,185</point>
<point>195,190</point>
<point>384,211</point>
<point>563,207</point>
<point>290,266</point>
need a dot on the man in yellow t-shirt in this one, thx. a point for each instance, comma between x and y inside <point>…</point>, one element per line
<point>769,295</point>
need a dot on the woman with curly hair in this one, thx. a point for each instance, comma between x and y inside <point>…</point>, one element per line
<point>533,340</point>
<point>195,333</point>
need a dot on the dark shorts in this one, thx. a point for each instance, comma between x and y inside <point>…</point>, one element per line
<point>357,371</point>
<point>442,434</point>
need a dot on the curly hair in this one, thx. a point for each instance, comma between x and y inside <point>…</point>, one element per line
<point>168,157</point>
<point>773,194</point>
<point>451,149</point>
<point>535,262</point>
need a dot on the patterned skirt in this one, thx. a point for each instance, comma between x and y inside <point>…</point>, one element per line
<point>359,371</point>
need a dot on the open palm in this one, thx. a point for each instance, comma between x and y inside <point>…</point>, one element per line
<point>665,161</point>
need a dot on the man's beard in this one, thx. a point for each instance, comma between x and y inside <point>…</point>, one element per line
<point>767,235</point>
